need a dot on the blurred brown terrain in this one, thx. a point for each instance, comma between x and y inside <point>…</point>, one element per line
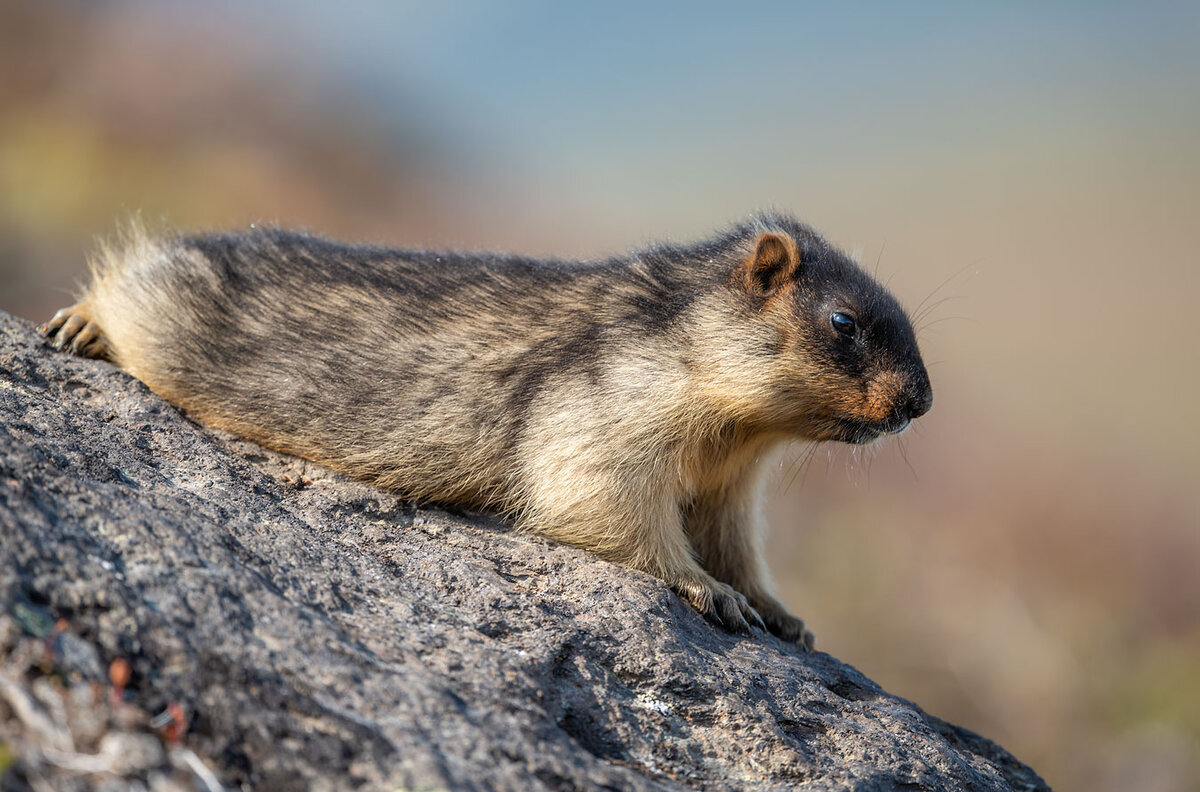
<point>1025,562</point>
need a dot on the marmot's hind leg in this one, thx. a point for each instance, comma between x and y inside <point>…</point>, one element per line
<point>72,329</point>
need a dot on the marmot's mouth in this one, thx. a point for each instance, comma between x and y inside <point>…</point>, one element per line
<point>861,433</point>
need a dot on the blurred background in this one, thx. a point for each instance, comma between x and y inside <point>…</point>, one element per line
<point>1026,561</point>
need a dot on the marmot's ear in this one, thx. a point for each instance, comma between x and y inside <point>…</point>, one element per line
<point>773,263</point>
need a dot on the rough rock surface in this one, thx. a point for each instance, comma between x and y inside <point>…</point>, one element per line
<point>320,633</point>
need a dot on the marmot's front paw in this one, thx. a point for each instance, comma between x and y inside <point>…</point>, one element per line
<point>720,604</point>
<point>784,624</point>
<point>72,328</point>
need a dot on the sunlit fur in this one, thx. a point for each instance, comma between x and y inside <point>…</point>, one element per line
<point>628,406</point>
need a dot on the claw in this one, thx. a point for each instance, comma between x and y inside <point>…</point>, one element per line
<point>730,615</point>
<point>87,335</point>
<point>782,624</point>
<point>55,321</point>
<point>720,604</point>
<point>69,329</point>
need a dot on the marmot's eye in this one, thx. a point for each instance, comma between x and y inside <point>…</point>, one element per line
<point>843,323</point>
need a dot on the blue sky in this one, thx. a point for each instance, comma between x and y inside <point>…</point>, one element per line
<point>546,72</point>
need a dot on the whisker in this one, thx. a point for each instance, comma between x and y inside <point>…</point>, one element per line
<point>805,461</point>
<point>945,283</point>
<point>928,325</point>
<point>791,469</point>
<point>928,309</point>
<point>904,456</point>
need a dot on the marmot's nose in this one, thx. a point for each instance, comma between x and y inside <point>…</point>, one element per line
<point>921,400</point>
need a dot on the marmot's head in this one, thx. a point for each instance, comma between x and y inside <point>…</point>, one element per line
<point>844,363</point>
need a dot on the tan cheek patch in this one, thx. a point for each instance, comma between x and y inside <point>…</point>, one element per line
<point>834,398</point>
<point>881,396</point>
<point>846,399</point>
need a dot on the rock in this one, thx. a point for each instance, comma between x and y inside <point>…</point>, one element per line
<point>131,753</point>
<point>321,633</point>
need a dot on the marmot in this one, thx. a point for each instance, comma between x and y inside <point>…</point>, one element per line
<point>629,406</point>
